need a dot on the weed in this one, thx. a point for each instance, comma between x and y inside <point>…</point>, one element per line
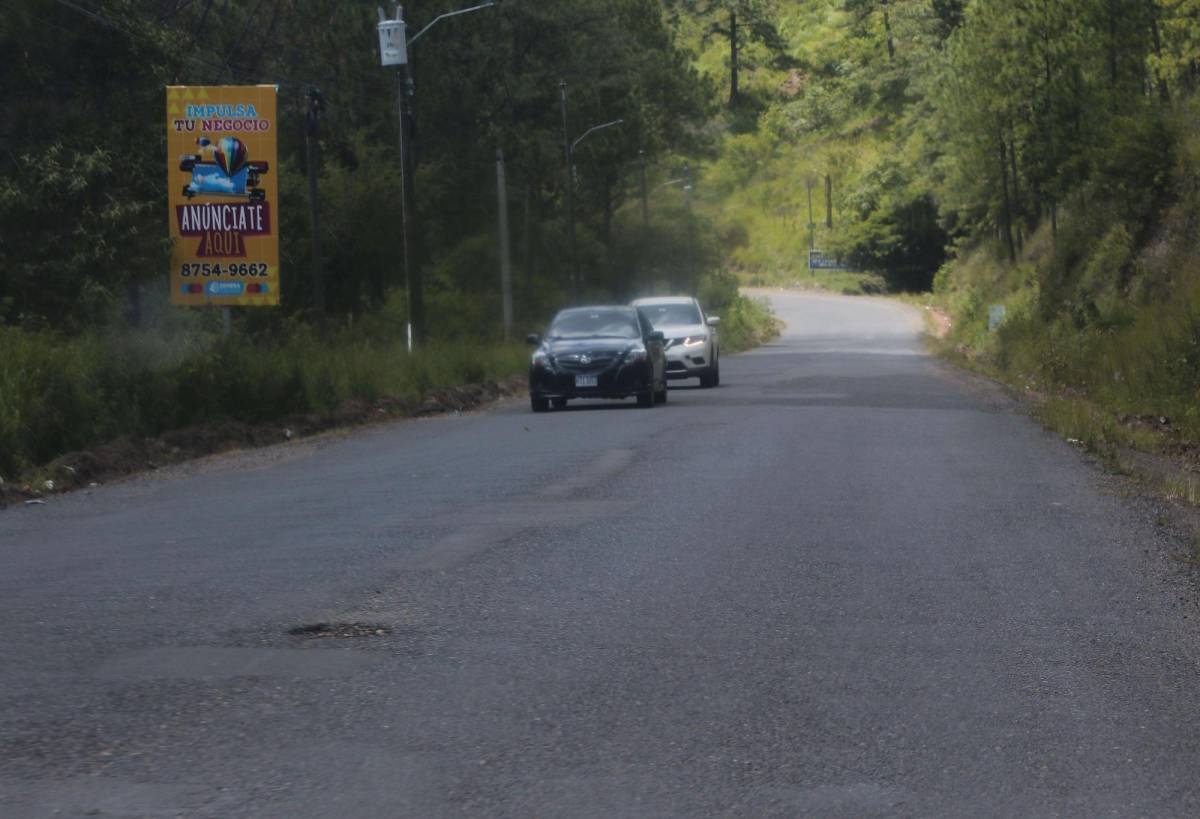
<point>59,394</point>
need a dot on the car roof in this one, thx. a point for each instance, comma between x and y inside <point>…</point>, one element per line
<point>622,307</point>
<point>650,302</point>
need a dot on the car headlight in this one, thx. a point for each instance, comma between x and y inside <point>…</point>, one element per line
<point>694,341</point>
<point>541,360</point>
<point>635,354</point>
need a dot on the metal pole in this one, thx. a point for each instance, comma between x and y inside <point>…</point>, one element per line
<point>829,201</point>
<point>416,283</point>
<point>812,226</point>
<point>404,211</point>
<point>313,148</point>
<point>505,260</point>
<point>645,196</point>
<point>562,85</point>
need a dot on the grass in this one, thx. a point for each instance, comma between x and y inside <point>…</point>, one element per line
<point>1093,428</point>
<point>747,323</point>
<point>59,394</point>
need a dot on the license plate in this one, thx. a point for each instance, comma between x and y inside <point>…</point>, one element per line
<point>585,381</point>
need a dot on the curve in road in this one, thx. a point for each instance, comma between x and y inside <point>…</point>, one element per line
<point>842,584</point>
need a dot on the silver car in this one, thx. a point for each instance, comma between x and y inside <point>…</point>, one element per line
<point>693,344</point>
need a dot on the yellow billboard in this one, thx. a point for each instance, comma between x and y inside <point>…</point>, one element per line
<point>223,189</point>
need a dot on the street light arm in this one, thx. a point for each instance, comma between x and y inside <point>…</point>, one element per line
<point>593,130</point>
<point>441,17</point>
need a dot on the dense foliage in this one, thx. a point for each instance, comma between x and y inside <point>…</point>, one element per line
<point>939,122</point>
<point>82,145</point>
<point>89,348</point>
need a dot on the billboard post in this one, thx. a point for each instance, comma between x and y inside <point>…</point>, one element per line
<point>223,193</point>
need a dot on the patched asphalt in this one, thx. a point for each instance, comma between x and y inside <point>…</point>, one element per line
<point>848,582</point>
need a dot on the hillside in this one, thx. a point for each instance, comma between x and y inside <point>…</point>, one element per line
<point>1031,163</point>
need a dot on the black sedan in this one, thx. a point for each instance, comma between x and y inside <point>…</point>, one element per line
<point>597,352</point>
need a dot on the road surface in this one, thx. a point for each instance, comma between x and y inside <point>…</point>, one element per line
<point>845,583</point>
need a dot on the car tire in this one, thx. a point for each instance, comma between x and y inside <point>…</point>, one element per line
<point>539,404</point>
<point>645,399</point>
<point>661,395</point>
<point>559,403</point>
<point>712,376</point>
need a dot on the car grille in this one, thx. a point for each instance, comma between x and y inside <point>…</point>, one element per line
<point>595,362</point>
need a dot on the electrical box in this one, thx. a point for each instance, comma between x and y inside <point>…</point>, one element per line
<point>393,42</point>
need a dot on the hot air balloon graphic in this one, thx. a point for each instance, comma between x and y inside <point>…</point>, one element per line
<point>223,168</point>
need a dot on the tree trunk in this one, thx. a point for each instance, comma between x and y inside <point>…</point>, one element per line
<point>733,58</point>
<point>527,246</point>
<point>1018,202</point>
<point>1006,211</point>
<point>887,30</point>
<point>609,206</point>
<point>1112,44</point>
<point>1164,92</point>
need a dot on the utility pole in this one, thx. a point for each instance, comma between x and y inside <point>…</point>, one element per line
<point>812,226</point>
<point>394,45</point>
<point>505,250</point>
<point>312,146</point>
<point>569,147</point>
<point>687,189</point>
<point>393,51</point>
<point>414,285</point>
<point>829,201</point>
<point>562,87</point>
<point>645,195</point>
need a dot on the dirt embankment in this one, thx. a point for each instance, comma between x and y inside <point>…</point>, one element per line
<point>131,455</point>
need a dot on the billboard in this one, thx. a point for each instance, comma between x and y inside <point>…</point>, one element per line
<point>223,193</point>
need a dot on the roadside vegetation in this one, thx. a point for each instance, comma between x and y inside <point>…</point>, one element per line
<point>90,352</point>
<point>59,394</point>
<point>1031,169</point>
<point>1034,157</point>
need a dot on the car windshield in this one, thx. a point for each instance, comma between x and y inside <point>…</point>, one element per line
<point>669,315</point>
<point>594,323</point>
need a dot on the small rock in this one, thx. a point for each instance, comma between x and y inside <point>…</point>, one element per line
<point>49,486</point>
<point>287,433</point>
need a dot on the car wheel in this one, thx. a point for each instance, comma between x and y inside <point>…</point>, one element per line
<point>559,403</point>
<point>661,395</point>
<point>539,404</point>
<point>711,376</point>
<point>645,399</point>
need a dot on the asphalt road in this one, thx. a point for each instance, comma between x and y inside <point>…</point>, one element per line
<point>845,583</point>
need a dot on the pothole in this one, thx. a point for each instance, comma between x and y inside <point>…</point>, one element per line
<point>340,630</point>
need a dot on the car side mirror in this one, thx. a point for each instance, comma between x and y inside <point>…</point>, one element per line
<point>714,321</point>
<point>533,338</point>
<point>656,335</point>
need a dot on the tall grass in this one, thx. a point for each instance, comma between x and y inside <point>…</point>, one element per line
<point>59,394</point>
